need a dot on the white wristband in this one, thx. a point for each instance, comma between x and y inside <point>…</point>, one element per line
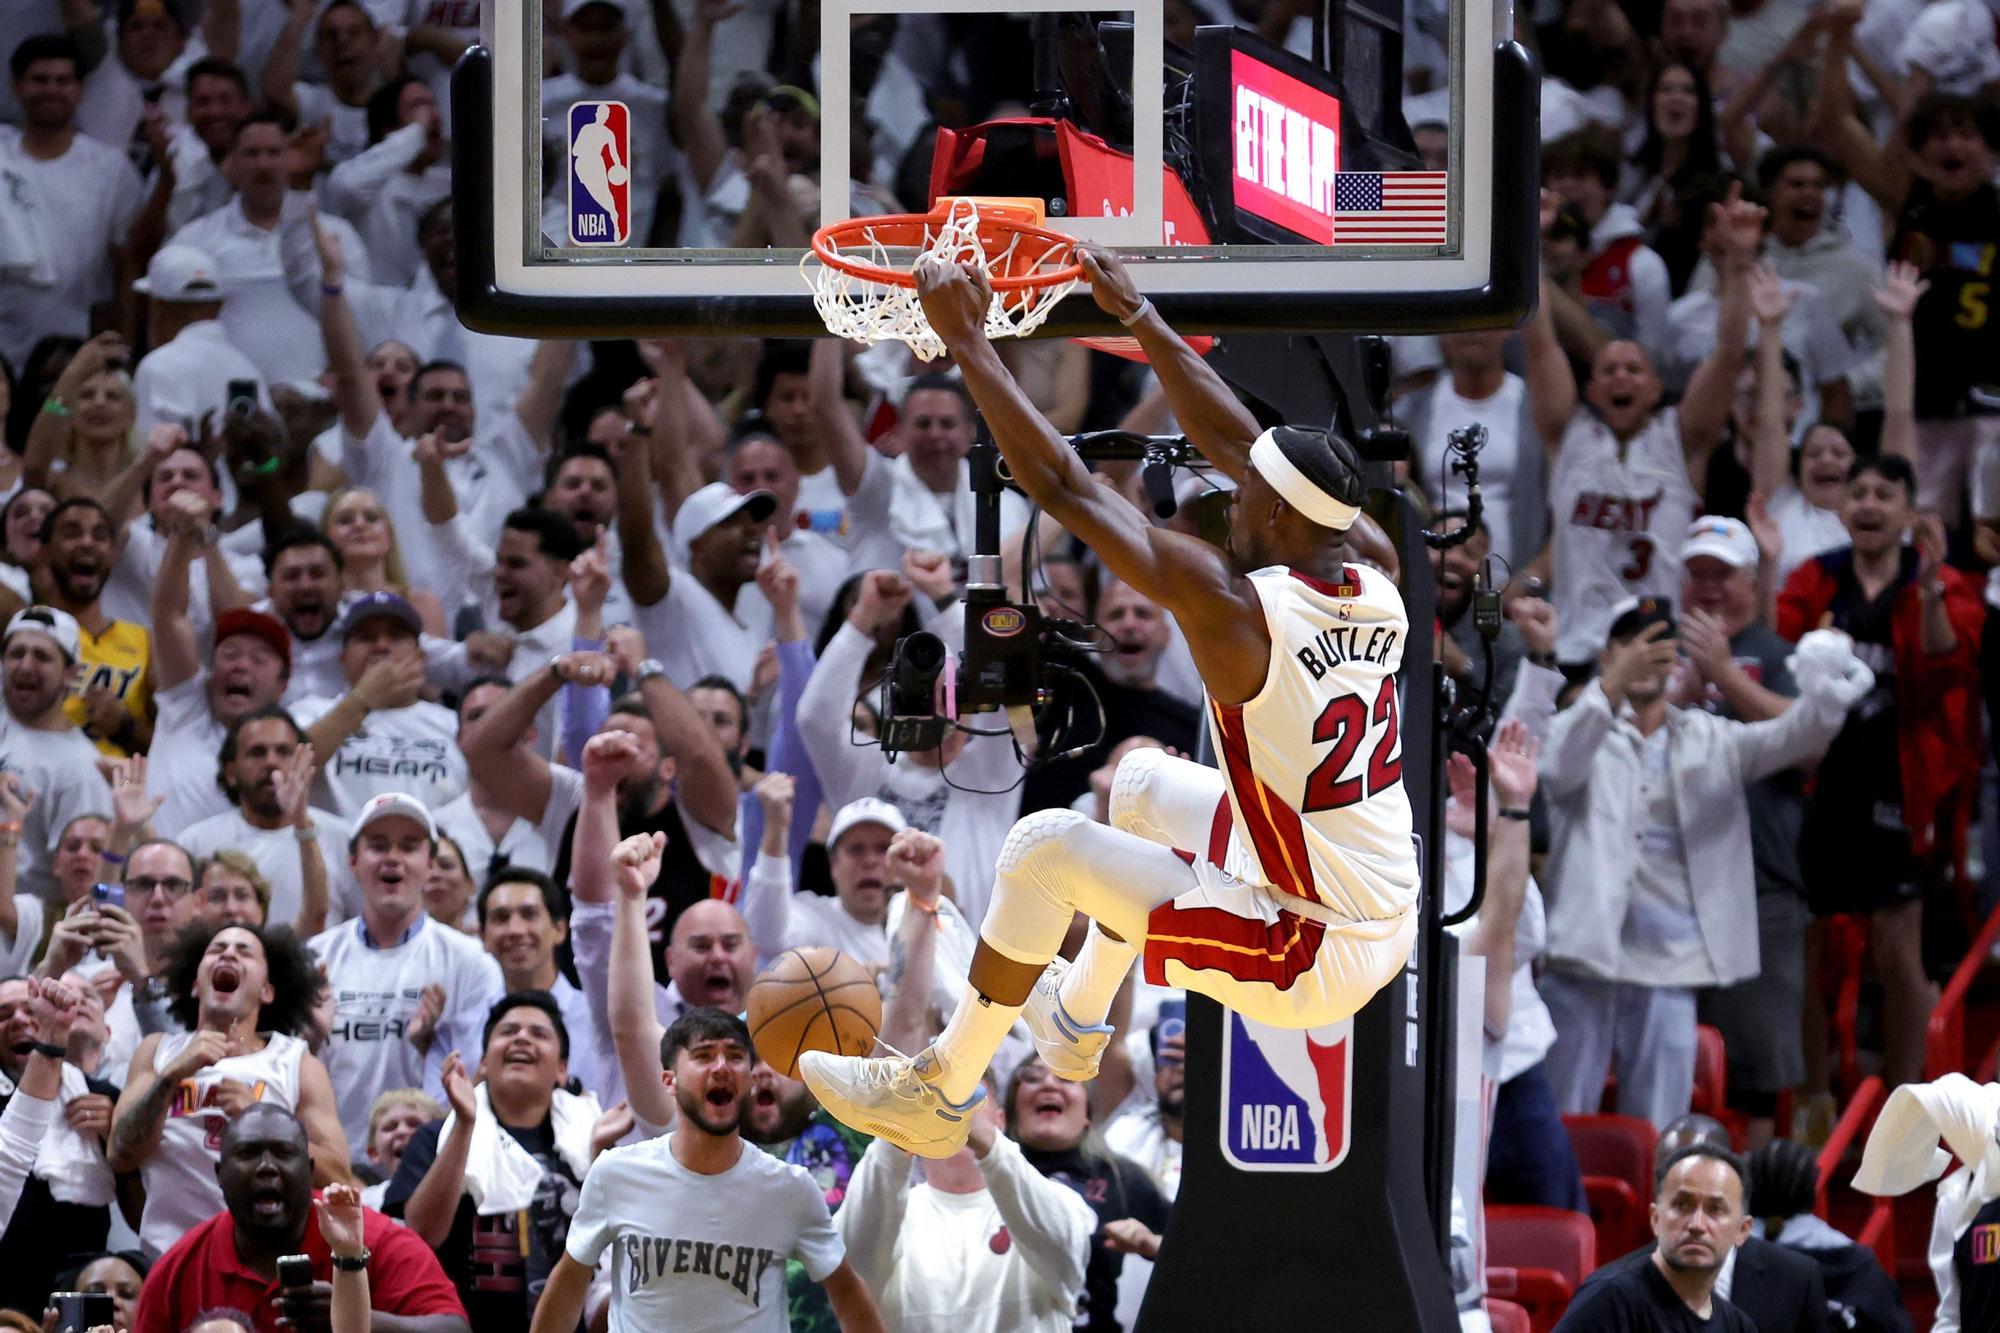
<point>1145,307</point>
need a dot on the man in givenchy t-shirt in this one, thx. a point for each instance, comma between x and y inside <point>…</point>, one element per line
<point>699,1224</point>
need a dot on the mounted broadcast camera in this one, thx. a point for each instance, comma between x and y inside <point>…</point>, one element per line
<point>1007,665</point>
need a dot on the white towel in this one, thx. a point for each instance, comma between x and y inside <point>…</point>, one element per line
<point>1902,1151</point>
<point>500,1175</point>
<point>70,1163</point>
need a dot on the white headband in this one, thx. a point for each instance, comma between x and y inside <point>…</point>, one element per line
<point>1299,491</point>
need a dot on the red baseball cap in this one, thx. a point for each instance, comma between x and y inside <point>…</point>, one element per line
<point>242,620</point>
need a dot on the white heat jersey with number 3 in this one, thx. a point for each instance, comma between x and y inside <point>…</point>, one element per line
<point>1314,763</point>
<point>1620,519</point>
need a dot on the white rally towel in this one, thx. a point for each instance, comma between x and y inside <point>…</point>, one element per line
<point>501,1175</point>
<point>72,1165</point>
<point>1903,1152</point>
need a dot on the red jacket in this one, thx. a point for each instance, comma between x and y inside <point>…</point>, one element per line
<point>1937,697</point>
<point>201,1271</point>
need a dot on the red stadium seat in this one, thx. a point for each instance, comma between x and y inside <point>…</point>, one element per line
<point>1711,1085</point>
<point>1618,1213</point>
<point>1616,1155</point>
<point>1539,1293</point>
<point>1508,1317</point>
<point>1614,1145</point>
<point>1549,1250</point>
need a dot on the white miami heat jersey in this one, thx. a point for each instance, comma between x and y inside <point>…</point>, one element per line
<point>181,1189</point>
<point>1314,763</point>
<point>1619,524</point>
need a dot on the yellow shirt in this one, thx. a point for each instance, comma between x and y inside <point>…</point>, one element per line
<point>119,660</point>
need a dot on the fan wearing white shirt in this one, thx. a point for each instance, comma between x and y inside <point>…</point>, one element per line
<point>382,735</point>
<point>239,993</point>
<point>247,237</point>
<point>494,472</point>
<point>406,989</point>
<point>39,660</point>
<point>386,190</point>
<point>526,581</point>
<point>250,663</point>
<point>523,919</point>
<point>139,79</point>
<point>71,197</point>
<point>346,43</point>
<point>707,1187</point>
<point>303,573</point>
<point>266,770</point>
<point>855,919</point>
<point>710,618</point>
<point>933,504</point>
<point>484,828</point>
<point>218,102</point>
<point>187,375</point>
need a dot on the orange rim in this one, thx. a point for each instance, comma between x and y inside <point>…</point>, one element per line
<point>910,231</point>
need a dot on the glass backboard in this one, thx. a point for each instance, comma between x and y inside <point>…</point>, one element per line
<point>623,166</point>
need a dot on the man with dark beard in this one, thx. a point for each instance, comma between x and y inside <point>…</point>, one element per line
<point>265,768</point>
<point>732,1215</point>
<point>303,570</point>
<point>113,702</point>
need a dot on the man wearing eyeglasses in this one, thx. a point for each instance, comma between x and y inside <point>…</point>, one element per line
<point>97,937</point>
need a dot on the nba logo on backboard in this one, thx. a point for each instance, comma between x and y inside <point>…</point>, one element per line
<point>1285,1095</point>
<point>600,173</point>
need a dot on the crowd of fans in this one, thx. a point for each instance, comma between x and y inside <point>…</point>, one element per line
<point>410,731</point>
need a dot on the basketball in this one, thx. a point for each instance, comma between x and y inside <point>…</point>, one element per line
<point>813,1000</point>
<point>618,175</point>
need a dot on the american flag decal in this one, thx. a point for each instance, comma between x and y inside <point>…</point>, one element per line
<point>1389,207</point>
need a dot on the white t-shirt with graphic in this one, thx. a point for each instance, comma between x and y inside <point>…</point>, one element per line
<point>413,749</point>
<point>696,1251</point>
<point>376,992</point>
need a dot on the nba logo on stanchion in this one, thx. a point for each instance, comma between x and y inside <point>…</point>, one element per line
<point>1285,1095</point>
<point>600,173</point>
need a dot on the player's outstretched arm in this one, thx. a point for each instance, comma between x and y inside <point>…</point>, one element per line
<point>1215,420</point>
<point>1190,578</point>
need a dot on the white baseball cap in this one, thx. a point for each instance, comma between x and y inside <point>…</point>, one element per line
<point>181,273</point>
<point>867,810</point>
<point>716,503</point>
<point>395,804</point>
<point>1726,539</point>
<point>57,624</point>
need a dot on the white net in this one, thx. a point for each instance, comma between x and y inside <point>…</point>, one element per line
<point>869,311</point>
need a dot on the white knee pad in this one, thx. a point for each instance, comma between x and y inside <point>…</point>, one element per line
<point>1034,892</point>
<point>1132,790</point>
<point>1033,845</point>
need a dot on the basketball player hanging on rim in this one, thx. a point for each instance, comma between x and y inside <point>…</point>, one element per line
<point>1283,885</point>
